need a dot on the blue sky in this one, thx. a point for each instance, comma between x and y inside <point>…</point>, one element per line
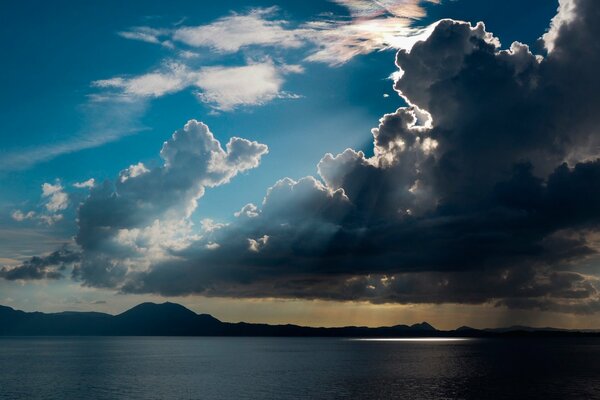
<point>92,88</point>
<point>59,50</point>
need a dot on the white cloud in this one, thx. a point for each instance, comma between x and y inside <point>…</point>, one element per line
<point>565,15</point>
<point>223,88</point>
<point>338,41</point>
<point>19,215</point>
<point>231,33</point>
<point>249,211</point>
<point>57,199</point>
<point>85,184</point>
<point>148,35</point>
<point>133,171</point>
<point>153,84</point>
<point>51,219</point>
<point>375,8</point>
<point>226,88</point>
<point>255,245</point>
<point>372,26</point>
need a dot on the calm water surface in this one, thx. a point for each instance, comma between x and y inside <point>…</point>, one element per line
<point>290,368</point>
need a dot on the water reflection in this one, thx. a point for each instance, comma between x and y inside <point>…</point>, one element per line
<point>298,368</point>
<point>440,339</point>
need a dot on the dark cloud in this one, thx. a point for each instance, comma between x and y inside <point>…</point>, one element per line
<point>47,267</point>
<point>488,195</point>
<point>485,188</point>
<point>193,160</point>
<point>117,222</point>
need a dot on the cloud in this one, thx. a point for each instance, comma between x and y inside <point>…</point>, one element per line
<point>435,215</point>
<point>227,88</point>
<point>20,216</point>
<point>332,39</point>
<point>107,121</point>
<point>146,34</point>
<point>483,189</point>
<point>145,210</point>
<point>47,267</point>
<point>372,26</point>
<point>85,184</point>
<point>57,199</point>
<point>223,88</point>
<point>154,84</point>
<point>371,9</point>
<point>230,34</point>
<point>566,14</point>
<point>51,219</point>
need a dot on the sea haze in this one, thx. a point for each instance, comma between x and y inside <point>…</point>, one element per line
<point>207,368</point>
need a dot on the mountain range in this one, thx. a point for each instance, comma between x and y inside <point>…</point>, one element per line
<point>170,319</point>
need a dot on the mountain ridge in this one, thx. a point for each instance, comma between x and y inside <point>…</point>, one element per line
<point>172,319</point>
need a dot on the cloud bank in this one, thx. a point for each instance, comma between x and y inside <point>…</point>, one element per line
<point>484,189</point>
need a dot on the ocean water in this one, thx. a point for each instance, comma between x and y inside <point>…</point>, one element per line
<point>165,368</point>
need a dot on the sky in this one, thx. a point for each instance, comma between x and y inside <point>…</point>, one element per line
<point>325,163</point>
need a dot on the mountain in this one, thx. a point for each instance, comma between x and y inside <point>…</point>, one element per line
<point>167,319</point>
<point>170,319</point>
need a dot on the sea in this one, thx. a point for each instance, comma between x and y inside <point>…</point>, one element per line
<point>165,368</point>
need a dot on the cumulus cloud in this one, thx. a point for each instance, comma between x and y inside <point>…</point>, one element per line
<point>484,189</point>
<point>566,14</point>
<point>144,212</point>
<point>435,215</point>
<point>57,199</point>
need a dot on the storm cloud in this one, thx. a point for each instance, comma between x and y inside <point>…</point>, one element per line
<point>485,188</point>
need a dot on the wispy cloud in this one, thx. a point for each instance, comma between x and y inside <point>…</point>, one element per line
<point>231,33</point>
<point>411,9</point>
<point>26,158</point>
<point>109,118</point>
<point>171,78</point>
<point>224,88</point>
<point>333,39</point>
<point>146,34</point>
